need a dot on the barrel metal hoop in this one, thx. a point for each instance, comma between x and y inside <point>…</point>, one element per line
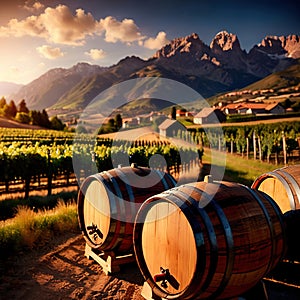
<point>269,221</point>
<point>230,248</point>
<point>129,190</point>
<point>117,190</point>
<point>114,210</point>
<point>163,180</point>
<point>294,183</point>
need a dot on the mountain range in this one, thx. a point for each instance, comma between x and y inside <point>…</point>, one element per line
<point>7,88</point>
<point>209,69</point>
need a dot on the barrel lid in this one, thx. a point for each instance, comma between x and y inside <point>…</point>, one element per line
<point>96,212</point>
<point>278,188</point>
<point>168,245</point>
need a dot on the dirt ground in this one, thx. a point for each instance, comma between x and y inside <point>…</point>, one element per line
<point>61,271</point>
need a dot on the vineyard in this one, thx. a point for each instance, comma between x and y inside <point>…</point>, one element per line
<point>273,143</point>
<point>31,159</point>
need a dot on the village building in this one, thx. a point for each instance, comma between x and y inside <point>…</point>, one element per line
<point>253,108</point>
<point>183,113</point>
<point>170,128</point>
<point>209,115</point>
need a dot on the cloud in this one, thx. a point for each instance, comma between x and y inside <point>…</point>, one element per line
<point>35,7</point>
<point>14,70</point>
<point>57,25</point>
<point>96,54</point>
<point>60,25</point>
<point>125,31</point>
<point>157,42</point>
<point>49,52</point>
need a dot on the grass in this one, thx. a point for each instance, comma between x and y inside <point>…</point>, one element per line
<point>237,168</point>
<point>8,207</point>
<point>31,229</point>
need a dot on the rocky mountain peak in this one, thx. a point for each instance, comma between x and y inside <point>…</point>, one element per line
<point>283,45</point>
<point>189,44</point>
<point>225,41</point>
<point>84,68</point>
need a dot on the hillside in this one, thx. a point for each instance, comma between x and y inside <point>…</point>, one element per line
<point>289,77</point>
<point>13,124</point>
<point>274,88</point>
<point>7,88</point>
<point>143,106</point>
<point>46,90</point>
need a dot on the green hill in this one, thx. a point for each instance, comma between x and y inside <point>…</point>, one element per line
<point>289,77</point>
<point>144,106</point>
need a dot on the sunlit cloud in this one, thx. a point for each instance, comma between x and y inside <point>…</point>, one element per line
<point>14,70</point>
<point>125,31</point>
<point>49,52</point>
<point>60,25</point>
<point>33,7</point>
<point>96,54</point>
<point>56,25</point>
<point>157,42</point>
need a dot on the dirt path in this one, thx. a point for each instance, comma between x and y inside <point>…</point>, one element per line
<point>62,272</point>
<point>65,273</point>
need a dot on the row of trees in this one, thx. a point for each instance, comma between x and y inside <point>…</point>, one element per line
<point>23,115</point>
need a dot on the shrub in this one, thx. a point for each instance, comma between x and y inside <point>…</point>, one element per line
<point>8,207</point>
<point>31,229</point>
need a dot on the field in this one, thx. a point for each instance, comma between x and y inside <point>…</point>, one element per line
<point>56,267</point>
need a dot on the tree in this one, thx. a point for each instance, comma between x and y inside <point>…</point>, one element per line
<point>10,110</point>
<point>173,113</point>
<point>45,119</point>
<point>34,115</point>
<point>111,124</point>
<point>56,123</point>
<point>23,117</point>
<point>2,102</point>
<point>118,122</point>
<point>22,107</point>
<point>13,108</point>
<point>40,118</point>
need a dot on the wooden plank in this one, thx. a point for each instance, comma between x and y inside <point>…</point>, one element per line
<point>109,262</point>
<point>147,292</point>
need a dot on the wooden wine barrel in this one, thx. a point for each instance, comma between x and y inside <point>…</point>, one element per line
<point>282,185</point>
<point>108,203</point>
<point>207,240</point>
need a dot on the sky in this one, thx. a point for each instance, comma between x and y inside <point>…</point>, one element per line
<point>36,36</point>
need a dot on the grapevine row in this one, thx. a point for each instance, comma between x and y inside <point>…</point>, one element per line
<point>28,162</point>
